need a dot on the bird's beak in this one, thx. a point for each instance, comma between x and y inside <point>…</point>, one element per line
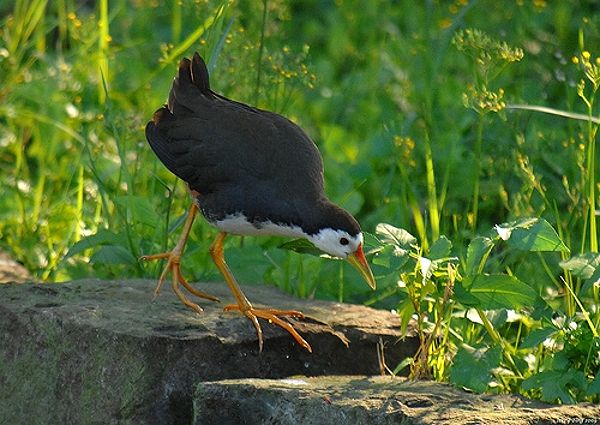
<point>359,262</point>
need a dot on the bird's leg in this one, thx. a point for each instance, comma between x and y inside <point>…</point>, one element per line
<point>244,306</point>
<point>173,264</point>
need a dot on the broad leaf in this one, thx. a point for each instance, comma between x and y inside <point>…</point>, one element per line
<point>302,246</point>
<point>490,292</point>
<point>371,244</point>
<point>391,257</point>
<point>536,337</point>
<point>531,234</point>
<point>472,367</point>
<point>394,235</point>
<point>594,280</point>
<point>556,384</point>
<point>583,265</point>
<point>102,237</point>
<point>594,387</point>
<point>440,248</point>
<point>505,230</point>
<point>113,254</point>
<point>477,252</point>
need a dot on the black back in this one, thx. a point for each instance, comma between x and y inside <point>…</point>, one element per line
<point>241,159</point>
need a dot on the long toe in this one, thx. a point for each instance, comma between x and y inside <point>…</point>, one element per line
<point>173,266</point>
<point>273,316</point>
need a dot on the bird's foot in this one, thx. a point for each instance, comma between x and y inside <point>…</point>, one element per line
<point>173,265</point>
<point>272,316</point>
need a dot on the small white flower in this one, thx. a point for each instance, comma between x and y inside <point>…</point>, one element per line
<point>503,232</point>
<point>72,111</point>
<point>426,270</point>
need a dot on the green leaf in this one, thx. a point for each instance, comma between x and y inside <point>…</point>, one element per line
<point>594,280</point>
<point>113,254</point>
<point>556,384</point>
<point>477,252</point>
<point>472,367</point>
<point>389,257</point>
<point>395,236</point>
<point>594,387</point>
<point>403,364</point>
<point>463,295</point>
<point>490,292</point>
<point>405,310</point>
<point>371,243</point>
<point>536,337</point>
<point>302,246</point>
<point>440,248</point>
<point>102,237</point>
<point>531,234</point>
<point>583,265</point>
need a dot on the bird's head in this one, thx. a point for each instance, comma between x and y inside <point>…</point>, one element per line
<point>342,238</point>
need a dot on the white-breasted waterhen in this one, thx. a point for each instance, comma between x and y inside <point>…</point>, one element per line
<point>250,172</point>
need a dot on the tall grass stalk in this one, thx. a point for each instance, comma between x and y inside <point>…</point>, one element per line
<point>261,49</point>
<point>176,22</point>
<point>477,180</point>
<point>103,45</point>
<point>432,197</point>
<point>590,175</point>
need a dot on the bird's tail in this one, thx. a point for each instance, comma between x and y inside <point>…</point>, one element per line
<point>192,76</point>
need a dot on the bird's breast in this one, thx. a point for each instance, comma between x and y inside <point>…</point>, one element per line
<point>239,224</point>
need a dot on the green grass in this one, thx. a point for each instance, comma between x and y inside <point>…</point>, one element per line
<point>426,116</point>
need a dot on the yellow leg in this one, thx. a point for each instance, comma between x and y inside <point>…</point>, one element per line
<point>244,306</point>
<point>173,264</point>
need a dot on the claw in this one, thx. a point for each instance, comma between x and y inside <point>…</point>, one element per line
<point>272,316</point>
<point>173,265</point>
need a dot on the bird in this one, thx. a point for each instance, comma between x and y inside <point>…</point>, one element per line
<point>250,172</point>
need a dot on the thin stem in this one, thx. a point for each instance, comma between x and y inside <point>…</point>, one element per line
<point>103,40</point>
<point>260,52</point>
<point>507,349</point>
<point>552,111</point>
<point>434,216</point>
<point>176,22</point>
<point>477,182</point>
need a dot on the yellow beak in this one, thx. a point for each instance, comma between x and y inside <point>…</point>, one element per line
<point>359,262</point>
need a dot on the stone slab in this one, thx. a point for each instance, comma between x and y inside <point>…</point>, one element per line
<point>95,351</point>
<point>383,400</point>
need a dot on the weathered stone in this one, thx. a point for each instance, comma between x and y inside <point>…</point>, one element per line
<point>378,401</point>
<point>11,271</point>
<point>101,352</point>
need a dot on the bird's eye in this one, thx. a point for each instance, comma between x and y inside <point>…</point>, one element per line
<point>344,241</point>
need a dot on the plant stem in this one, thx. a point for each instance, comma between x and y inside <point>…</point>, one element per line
<point>476,184</point>
<point>434,215</point>
<point>103,39</point>
<point>591,182</point>
<point>176,22</point>
<point>507,350</point>
<point>260,52</point>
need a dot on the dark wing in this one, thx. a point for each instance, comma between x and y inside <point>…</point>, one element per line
<point>241,155</point>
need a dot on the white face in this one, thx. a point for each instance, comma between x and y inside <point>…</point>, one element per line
<point>336,243</point>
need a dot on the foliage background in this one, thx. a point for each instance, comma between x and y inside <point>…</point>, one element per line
<point>378,85</point>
